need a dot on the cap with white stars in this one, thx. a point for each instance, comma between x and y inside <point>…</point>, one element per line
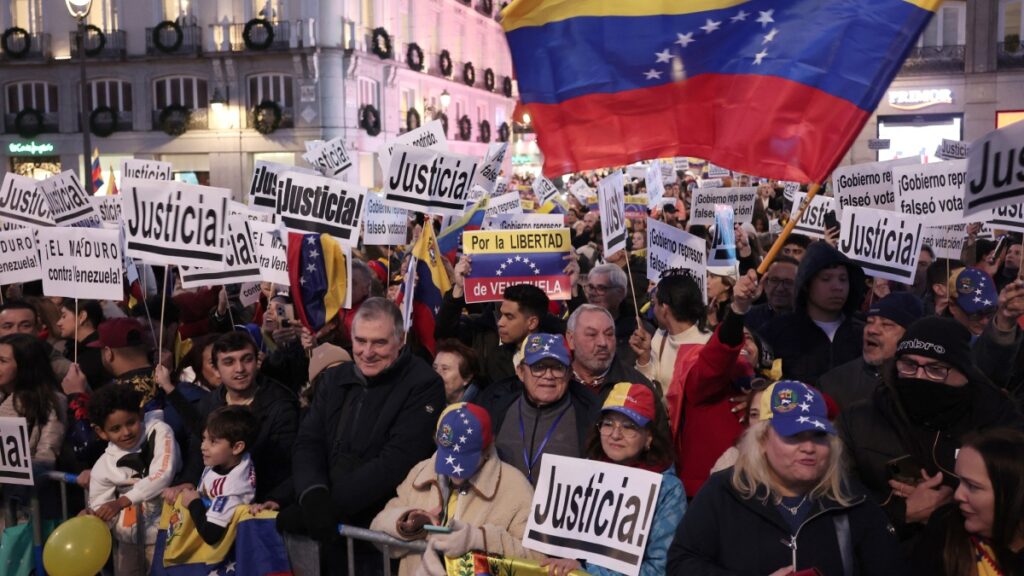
<point>463,436</point>
<point>793,407</point>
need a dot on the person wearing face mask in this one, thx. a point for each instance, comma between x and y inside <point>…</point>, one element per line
<point>983,532</point>
<point>903,441</point>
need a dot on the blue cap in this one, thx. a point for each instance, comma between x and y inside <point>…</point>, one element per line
<point>537,347</point>
<point>976,291</point>
<point>462,437</point>
<point>902,308</point>
<point>794,407</point>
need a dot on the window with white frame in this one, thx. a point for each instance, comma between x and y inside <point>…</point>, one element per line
<point>25,13</point>
<point>115,94</point>
<point>272,10</point>
<point>39,95</point>
<point>481,113</point>
<point>948,27</point>
<point>276,88</point>
<point>407,101</point>
<point>1011,19</point>
<point>187,91</point>
<point>369,93</point>
<point>175,9</point>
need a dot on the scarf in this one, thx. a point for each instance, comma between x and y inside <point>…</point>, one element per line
<point>986,558</point>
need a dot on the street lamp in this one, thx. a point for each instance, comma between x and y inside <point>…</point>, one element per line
<point>446,99</point>
<point>218,100</point>
<point>79,9</point>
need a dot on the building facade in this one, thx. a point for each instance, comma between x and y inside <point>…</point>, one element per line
<point>213,86</point>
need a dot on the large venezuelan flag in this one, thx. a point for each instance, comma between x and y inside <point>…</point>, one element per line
<point>450,239</point>
<point>432,283</point>
<point>776,88</point>
<point>318,273</point>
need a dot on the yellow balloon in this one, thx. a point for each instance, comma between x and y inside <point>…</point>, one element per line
<point>78,547</point>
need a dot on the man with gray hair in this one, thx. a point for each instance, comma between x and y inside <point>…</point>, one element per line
<point>607,286</point>
<point>369,423</point>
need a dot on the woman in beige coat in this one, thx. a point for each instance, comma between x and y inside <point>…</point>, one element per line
<point>465,487</point>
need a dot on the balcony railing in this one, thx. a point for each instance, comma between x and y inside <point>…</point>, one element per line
<point>258,36</point>
<point>198,119</point>
<point>935,59</point>
<point>123,123</point>
<point>50,124</point>
<point>111,44</point>
<point>191,41</point>
<point>31,48</point>
<point>1010,55</point>
<point>287,117</point>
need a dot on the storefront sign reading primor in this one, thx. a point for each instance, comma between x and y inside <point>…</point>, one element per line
<point>30,148</point>
<point>918,99</point>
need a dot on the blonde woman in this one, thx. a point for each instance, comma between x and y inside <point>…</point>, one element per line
<point>787,505</point>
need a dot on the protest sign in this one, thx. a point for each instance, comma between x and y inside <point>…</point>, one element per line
<point>487,177</point>
<point>146,170</point>
<point>933,191</point>
<point>543,189</point>
<point>476,193</point>
<point>263,188</point>
<point>636,172</point>
<point>887,245</point>
<point>952,150</point>
<point>523,222</point>
<point>635,206</point>
<point>718,172</point>
<point>82,262</point>
<point>789,189</point>
<point>1009,217</point>
<point>15,453</point>
<point>945,241</point>
<point>430,181</point>
<point>668,172</point>
<point>385,225</point>
<point>505,204</point>
<point>500,187</point>
<point>623,497</point>
<point>331,157</point>
<point>430,135</point>
<point>710,183</point>
<point>506,258</point>
<point>241,264</point>
<point>655,185</point>
<point>175,223</point>
<point>611,198</point>
<point>528,205</point>
<point>249,293</point>
<point>271,244</point>
<point>69,204</point>
<point>581,191</point>
<point>22,202</point>
<point>19,257</point>
<point>995,169</point>
<point>317,205</point>
<point>311,145</point>
<point>723,244</point>
<point>669,247</point>
<point>681,164</point>
<point>812,223</point>
<point>108,208</point>
<point>704,201</point>
<point>867,185</point>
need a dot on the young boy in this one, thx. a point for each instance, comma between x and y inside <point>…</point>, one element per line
<point>140,461</point>
<point>229,479</point>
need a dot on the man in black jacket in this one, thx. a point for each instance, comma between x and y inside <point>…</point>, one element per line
<point>370,422</point>
<point>903,442</point>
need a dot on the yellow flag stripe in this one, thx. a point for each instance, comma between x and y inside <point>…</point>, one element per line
<point>523,13</point>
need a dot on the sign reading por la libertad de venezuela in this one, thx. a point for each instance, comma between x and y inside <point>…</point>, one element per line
<point>506,258</point>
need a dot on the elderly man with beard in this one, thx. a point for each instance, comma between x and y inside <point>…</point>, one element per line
<point>887,320</point>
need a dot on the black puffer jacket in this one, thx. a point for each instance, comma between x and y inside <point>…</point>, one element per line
<point>362,435</point>
<point>724,534</point>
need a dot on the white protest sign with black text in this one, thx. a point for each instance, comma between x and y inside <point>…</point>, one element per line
<point>668,172</point>
<point>271,245</point>
<point>952,149</point>
<point>505,204</point>
<point>249,293</point>
<point>331,157</point>
<point>82,262</point>
<point>945,241</point>
<point>543,189</point>
<point>612,202</point>
<point>263,188</point>
<point>175,223</point>
<point>429,181</point>
<point>581,191</point>
<point>655,185</point>
<point>430,135</point>
<point>710,183</point>
<point>523,222</point>
<point>1009,217</point>
<point>886,244</point>
<point>669,247</point>
<point>610,528</point>
<point>22,202</point>
<point>812,223</point>
<point>704,200</point>
<point>146,170</point>
<point>69,204</point>
<point>19,257</point>
<point>487,176</point>
<point>317,205</point>
<point>995,169</point>
<point>867,185</point>
<point>715,171</point>
<point>108,208</point>
<point>241,264</point>
<point>933,191</point>
<point>789,189</point>
<point>385,225</point>
<point>15,452</point>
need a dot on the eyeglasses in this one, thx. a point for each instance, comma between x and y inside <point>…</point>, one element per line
<point>629,430</point>
<point>934,371</point>
<point>598,288</point>
<point>557,370</point>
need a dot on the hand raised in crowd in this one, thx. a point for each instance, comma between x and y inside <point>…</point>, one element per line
<point>572,269</point>
<point>463,268</point>
<point>222,303</point>
<point>924,498</point>
<point>560,566</point>
<point>742,241</point>
<point>832,236</point>
<point>746,291</point>
<point>307,339</point>
<point>740,408</point>
<point>74,382</point>
<point>640,342</point>
<point>162,376</point>
<point>972,230</point>
<point>1011,305</point>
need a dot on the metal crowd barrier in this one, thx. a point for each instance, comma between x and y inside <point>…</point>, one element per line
<point>385,541</point>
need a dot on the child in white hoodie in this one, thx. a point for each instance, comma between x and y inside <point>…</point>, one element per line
<point>141,460</point>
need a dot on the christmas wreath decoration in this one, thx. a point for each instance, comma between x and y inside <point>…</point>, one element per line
<point>489,80</point>
<point>444,60</point>
<point>247,33</point>
<point>414,57</point>
<point>444,122</point>
<point>103,121</point>
<point>101,43</point>
<point>468,74</point>
<point>465,128</point>
<point>28,123</point>
<point>369,119</point>
<point>506,87</point>
<point>485,131</point>
<point>412,119</point>
<point>503,132</point>
<point>174,119</point>
<point>381,41</point>
<point>10,34</point>
<point>158,36</point>
<point>266,117</point>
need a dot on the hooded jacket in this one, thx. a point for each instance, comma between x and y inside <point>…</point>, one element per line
<point>804,348</point>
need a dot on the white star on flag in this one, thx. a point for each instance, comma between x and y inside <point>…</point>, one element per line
<point>802,420</point>
<point>760,56</point>
<point>805,407</point>
<point>455,448</point>
<point>536,272</point>
<point>770,36</point>
<point>213,573</point>
<point>311,267</point>
<point>519,259</point>
<point>765,18</point>
<point>302,280</point>
<point>988,302</point>
<point>313,253</point>
<point>509,261</point>
<point>311,240</point>
<point>978,292</point>
<point>684,40</point>
<point>740,17</point>
<point>498,273</point>
<point>818,424</point>
<point>976,299</point>
<point>231,567</point>
<point>710,26</point>
<point>547,347</point>
<point>469,431</point>
<point>809,396</point>
<point>456,469</point>
<point>462,439</point>
<point>664,56</point>
<point>449,460</point>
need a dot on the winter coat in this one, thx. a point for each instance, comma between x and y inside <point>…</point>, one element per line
<point>850,383</point>
<point>361,436</point>
<point>498,501</point>
<point>724,534</point>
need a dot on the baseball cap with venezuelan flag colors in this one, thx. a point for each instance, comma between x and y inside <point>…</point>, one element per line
<point>794,407</point>
<point>635,401</point>
<point>463,436</point>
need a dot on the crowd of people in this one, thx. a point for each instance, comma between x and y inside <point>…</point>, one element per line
<point>810,418</point>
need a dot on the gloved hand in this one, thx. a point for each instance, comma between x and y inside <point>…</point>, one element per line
<point>318,509</point>
<point>459,541</point>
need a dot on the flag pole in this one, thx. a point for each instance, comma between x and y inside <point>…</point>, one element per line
<point>76,330</point>
<point>793,219</point>
<point>163,307</point>
<point>629,276</point>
